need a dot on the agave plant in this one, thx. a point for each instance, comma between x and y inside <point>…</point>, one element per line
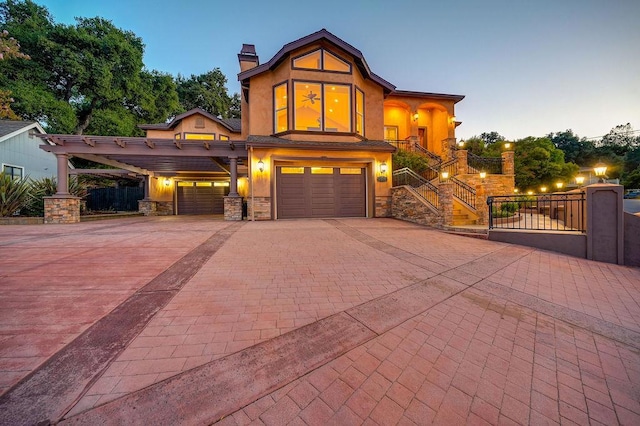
<point>47,187</point>
<point>14,194</point>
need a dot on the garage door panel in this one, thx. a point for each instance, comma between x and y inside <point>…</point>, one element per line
<point>201,200</point>
<point>321,194</point>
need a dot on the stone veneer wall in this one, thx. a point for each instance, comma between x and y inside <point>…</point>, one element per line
<point>232,208</point>
<point>262,208</point>
<point>147,207</point>
<point>490,186</point>
<point>164,208</point>
<point>407,205</point>
<point>383,207</point>
<point>61,209</point>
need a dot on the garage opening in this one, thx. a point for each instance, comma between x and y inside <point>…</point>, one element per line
<point>201,197</point>
<point>315,192</point>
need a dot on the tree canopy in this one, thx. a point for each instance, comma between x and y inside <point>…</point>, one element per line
<point>89,77</point>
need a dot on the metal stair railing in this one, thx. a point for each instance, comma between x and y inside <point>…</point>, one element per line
<point>422,186</point>
<point>464,192</point>
<point>484,164</point>
<point>434,157</point>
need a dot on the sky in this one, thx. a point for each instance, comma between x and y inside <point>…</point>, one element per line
<point>526,68</point>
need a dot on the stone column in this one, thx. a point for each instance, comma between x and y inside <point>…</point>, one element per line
<point>481,204</point>
<point>445,202</point>
<point>61,209</point>
<point>232,207</point>
<point>233,185</point>
<point>605,223</point>
<point>508,165</point>
<point>463,163</point>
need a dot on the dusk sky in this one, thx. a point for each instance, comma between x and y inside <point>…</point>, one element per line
<point>527,68</point>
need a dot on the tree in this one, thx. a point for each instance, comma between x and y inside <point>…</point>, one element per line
<point>491,138</point>
<point>576,150</point>
<point>206,91</point>
<point>9,48</point>
<point>539,162</point>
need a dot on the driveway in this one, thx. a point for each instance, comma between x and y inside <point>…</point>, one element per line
<point>191,320</point>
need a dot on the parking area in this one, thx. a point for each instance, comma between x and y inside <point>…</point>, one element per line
<point>193,320</point>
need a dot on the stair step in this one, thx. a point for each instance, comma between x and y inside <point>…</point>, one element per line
<point>463,222</point>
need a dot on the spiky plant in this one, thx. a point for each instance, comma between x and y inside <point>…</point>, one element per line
<point>47,187</point>
<point>14,194</point>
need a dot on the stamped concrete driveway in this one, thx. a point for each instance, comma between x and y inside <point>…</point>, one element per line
<point>188,320</point>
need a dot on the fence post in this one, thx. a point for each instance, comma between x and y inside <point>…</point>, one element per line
<point>605,223</point>
<point>508,166</point>
<point>445,202</point>
<point>463,162</point>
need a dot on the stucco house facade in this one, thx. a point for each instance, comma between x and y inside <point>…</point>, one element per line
<point>316,139</point>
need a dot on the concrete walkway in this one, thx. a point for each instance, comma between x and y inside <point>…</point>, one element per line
<point>188,320</point>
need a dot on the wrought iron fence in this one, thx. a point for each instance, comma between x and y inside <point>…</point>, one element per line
<point>426,189</point>
<point>484,164</point>
<point>552,212</point>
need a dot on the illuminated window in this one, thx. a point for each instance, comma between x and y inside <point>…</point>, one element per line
<point>200,136</point>
<point>281,122</point>
<point>203,183</point>
<point>310,61</point>
<point>322,170</point>
<point>177,136</point>
<point>390,133</point>
<point>321,60</point>
<point>224,137</point>
<point>350,171</point>
<point>15,172</point>
<point>292,170</point>
<point>333,63</point>
<point>359,112</point>
<point>322,107</point>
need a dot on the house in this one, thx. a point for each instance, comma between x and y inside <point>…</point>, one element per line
<point>20,156</point>
<point>316,139</point>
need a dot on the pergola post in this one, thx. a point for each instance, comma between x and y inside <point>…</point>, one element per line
<point>233,185</point>
<point>62,207</point>
<point>62,174</point>
<point>233,201</point>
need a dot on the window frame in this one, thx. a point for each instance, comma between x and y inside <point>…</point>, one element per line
<point>396,128</point>
<point>13,167</point>
<point>186,136</point>
<point>355,111</point>
<point>322,85</point>
<point>284,83</point>
<point>321,69</point>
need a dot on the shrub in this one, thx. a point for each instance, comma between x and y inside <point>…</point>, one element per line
<point>47,187</point>
<point>14,194</point>
<point>416,162</point>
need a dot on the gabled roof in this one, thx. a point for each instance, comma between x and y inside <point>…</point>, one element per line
<point>11,128</point>
<point>231,124</point>
<point>412,94</point>
<point>323,34</point>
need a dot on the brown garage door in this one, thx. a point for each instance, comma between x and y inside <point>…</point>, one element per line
<point>201,198</point>
<point>320,192</point>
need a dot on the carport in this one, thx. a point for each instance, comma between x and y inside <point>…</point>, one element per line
<point>190,161</point>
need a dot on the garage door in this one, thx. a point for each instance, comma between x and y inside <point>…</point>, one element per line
<point>201,197</point>
<point>320,192</point>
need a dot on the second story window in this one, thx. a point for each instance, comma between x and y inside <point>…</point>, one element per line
<point>322,107</point>
<point>280,102</point>
<point>321,60</point>
<point>359,112</point>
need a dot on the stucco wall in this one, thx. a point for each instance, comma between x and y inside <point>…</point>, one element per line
<point>573,244</point>
<point>632,239</point>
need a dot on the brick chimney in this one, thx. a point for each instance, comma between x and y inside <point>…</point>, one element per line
<point>247,57</point>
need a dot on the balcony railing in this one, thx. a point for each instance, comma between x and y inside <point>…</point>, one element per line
<point>552,212</point>
<point>484,164</point>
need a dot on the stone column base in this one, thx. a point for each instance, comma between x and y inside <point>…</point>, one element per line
<point>147,207</point>
<point>232,208</point>
<point>383,207</point>
<point>61,209</point>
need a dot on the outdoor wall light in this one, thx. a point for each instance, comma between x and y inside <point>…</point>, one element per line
<point>483,175</point>
<point>415,116</point>
<point>461,144</point>
<point>261,166</point>
<point>383,168</point>
<point>600,170</point>
<point>167,182</point>
<point>580,180</point>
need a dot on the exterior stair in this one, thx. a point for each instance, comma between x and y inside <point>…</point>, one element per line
<point>462,219</point>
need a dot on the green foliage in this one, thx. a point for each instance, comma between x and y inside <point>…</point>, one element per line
<point>14,194</point>
<point>416,162</point>
<point>206,91</point>
<point>631,180</point>
<point>538,162</point>
<point>576,150</point>
<point>46,187</point>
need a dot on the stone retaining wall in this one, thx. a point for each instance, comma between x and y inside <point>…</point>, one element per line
<point>407,205</point>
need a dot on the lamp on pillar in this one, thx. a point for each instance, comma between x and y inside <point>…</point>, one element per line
<point>600,169</point>
<point>461,144</point>
<point>580,181</point>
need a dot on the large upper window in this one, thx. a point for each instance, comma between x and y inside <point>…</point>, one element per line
<point>359,112</point>
<point>281,120</point>
<point>322,107</point>
<point>321,60</point>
